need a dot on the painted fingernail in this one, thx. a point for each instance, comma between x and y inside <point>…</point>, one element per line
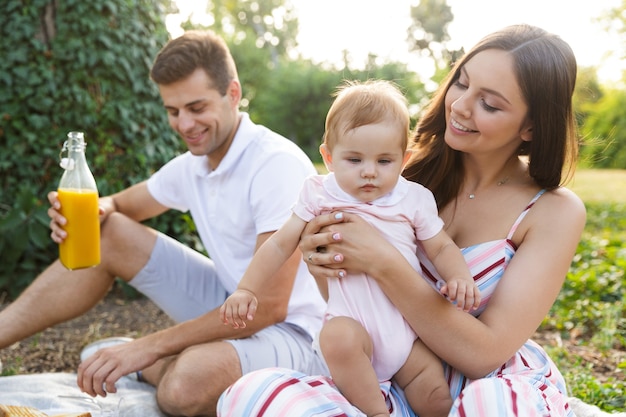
<point>342,274</point>
<point>338,216</point>
<point>336,236</point>
<point>337,258</point>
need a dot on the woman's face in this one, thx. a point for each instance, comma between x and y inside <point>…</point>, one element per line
<point>485,109</point>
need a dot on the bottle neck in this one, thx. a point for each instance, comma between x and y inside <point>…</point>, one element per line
<point>77,175</point>
<point>75,143</point>
<point>73,151</point>
<point>76,150</point>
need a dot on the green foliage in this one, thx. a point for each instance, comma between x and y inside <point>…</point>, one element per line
<point>602,111</point>
<point>290,96</point>
<point>302,94</point>
<point>78,65</point>
<point>608,395</point>
<point>615,21</point>
<point>270,24</point>
<point>604,131</point>
<point>297,106</point>
<point>428,35</point>
<point>592,305</point>
<point>429,25</point>
<point>594,287</point>
<point>586,93</point>
<point>254,67</point>
<point>73,65</point>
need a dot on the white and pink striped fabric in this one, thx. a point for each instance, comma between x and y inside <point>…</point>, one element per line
<point>528,384</point>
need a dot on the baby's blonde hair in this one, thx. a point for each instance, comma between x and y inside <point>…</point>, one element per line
<point>364,103</point>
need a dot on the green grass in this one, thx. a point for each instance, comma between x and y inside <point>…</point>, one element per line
<point>591,308</point>
<point>600,186</point>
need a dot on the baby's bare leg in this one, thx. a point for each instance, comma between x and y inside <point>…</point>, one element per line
<point>347,349</point>
<point>421,377</point>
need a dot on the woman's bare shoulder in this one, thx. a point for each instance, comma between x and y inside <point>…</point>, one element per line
<point>559,206</point>
<point>564,198</point>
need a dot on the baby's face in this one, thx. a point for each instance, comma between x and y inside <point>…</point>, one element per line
<point>367,161</point>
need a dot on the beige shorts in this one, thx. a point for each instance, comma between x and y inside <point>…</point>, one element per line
<point>185,285</point>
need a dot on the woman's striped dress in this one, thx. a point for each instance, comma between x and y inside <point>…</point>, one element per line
<point>528,384</point>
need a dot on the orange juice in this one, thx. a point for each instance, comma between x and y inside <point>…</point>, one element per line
<point>81,247</point>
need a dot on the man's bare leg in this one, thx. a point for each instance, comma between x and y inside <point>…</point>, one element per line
<point>191,383</point>
<point>58,295</point>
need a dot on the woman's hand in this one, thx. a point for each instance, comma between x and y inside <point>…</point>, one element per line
<point>316,246</point>
<point>335,243</point>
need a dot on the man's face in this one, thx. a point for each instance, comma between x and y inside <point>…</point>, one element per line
<point>205,119</point>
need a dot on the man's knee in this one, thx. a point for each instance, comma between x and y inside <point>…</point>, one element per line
<point>116,227</point>
<point>125,245</point>
<point>181,397</point>
<point>194,381</point>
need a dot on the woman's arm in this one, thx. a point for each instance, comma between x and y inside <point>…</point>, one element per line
<point>524,295</point>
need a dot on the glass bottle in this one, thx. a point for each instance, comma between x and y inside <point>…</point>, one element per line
<point>78,195</point>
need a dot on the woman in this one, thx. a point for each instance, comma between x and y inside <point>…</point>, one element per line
<point>492,146</point>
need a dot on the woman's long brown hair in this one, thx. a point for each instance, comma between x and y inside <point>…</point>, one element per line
<point>545,69</point>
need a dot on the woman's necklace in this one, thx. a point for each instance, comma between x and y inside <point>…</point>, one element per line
<point>501,182</point>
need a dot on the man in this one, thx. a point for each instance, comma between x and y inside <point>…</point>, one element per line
<point>239,181</point>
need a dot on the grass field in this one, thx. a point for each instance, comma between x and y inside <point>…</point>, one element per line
<point>590,312</point>
<point>592,185</point>
<point>600,186</point>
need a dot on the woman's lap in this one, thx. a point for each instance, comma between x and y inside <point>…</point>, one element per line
<point>283,392</point>
<point>510,396</point>
<point>280,392</point>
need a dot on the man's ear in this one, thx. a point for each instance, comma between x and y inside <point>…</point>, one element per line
<point>234,92</point>
<point>327,157</point>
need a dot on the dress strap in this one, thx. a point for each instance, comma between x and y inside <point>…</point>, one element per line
<point>523,214</point>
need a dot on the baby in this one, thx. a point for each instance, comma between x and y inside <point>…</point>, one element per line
<point>365,340</point>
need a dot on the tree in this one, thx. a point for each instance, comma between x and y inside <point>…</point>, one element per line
<point>268,24</point>
<point>260,33</point>
<point>289,95</point>
<point>603,108</point>
<point>73,65</point>
<point>301,95</point>
<point>428,34</point>
<point>296,99</point>
<point>603,132</point>
<point>586,93</point>
<point>615,21</point>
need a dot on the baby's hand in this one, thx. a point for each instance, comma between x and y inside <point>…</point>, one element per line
<point>238,308</point>
<point>463,293</point>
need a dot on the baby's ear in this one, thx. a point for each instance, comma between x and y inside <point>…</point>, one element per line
<point>327,157</point>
